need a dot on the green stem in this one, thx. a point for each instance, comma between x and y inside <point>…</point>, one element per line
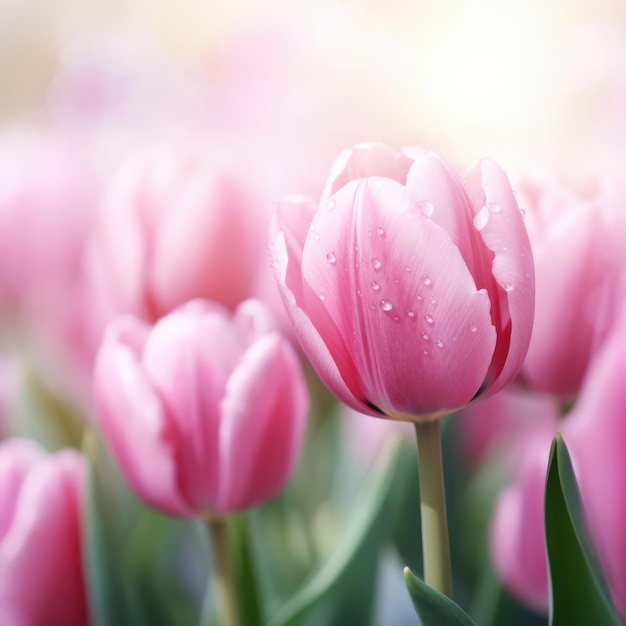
<point>223,571</point>
<point>436,547</point>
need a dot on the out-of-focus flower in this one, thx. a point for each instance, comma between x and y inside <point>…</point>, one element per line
<point>579,247</point>
<point>596,434</point>
<point>499,424</point>
<point>411,291</point>
<point>45,208</point>
<point>178,225</point>
<point>41,574</point>
<point>594,431</point>
<point>206,410</point>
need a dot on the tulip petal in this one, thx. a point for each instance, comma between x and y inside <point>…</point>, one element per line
<point>42,579</point>
<point>288,231</point>
<point>364,160</point>
<point>501,226</point>
<point>187,359</point>
<point>396,305</point>
<point>132,417</point>
<point>263,421</point>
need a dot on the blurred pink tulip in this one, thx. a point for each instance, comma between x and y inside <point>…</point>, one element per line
<point>45,208</point>
<point>411,291</point>
<point>499,425</point>
<point>178,225</point>
<point>579,247</point>
<point>41,574</point>
<point>206,410</point>
<point>595,433</point>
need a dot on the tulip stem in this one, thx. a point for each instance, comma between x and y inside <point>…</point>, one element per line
<point>223,571</point>
<point>435,543</point>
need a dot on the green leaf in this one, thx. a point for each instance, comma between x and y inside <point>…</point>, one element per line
<point>578,588</point>
<point>432,607</point>
<point>341,591</point>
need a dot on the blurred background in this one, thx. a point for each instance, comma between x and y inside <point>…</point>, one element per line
<point>523,82</point>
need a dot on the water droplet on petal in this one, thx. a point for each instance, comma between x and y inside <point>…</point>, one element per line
<point>375,286</point>
<point>316,236</point>
<point>426,207</point>
<point>381,231</point>
<point>439,343</point>
<point>410,312</point>
<point>331,258</point>
<point>271,246</point>
<point>274,263</point>
<point>522,213</point>
<point>492,207</point>
<point>359,293</point>
<point>426,353</point>
<point>433,301</point>
<point>429,319</point>
<point>386,305</point>
<point>427,280</point>
<point>332,203</point>
<point>508,286</point>
<point>356,248</point>
<point>473,328</point>
<point>396,280</point>
<point>373,307</point>
<point>396,318</point>
<point>419,297</point>
<point>369,233</point>
<point>425,336</point>
<point>481,218</point>
<point>407,269</point>
<point>376,264</point>
<point>322,297</point>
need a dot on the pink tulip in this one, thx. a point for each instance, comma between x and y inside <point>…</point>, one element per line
<point>411,291</point>
<point>595,433</point>
<point>45,202</point>
<point>579,250</point>
<point>204,411</point>
<point>41,574</point>
<point>169,227</point>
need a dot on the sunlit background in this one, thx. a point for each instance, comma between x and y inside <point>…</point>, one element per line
<point>528,83</point>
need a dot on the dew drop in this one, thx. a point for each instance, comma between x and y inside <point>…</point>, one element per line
<point>433,301</point>
<point>373,307</point>
<point>332,203</point>
<point>439,343</point>
<point>410,313</point>
<point>473,328</point>
<point>356,248</point>
<point>508,286</point>
<point>316,236</point>
<point>331,258</point>
<point>386,305</point>
<point>492,207</point>
<point>396,318</point>
<point>481,218</point>
<point>274,263</point>
<point>381,231</point>
<point>427,280</point>
<point>419,297</point>
<point>376,264</point>
<point>375,286</point>
<point>426,353</point>
<point>522,213</point>
<point>407,269</point>
<point>369,233</point>
<point>359,293</point>
<point>426,207</point>
<point>271,246</point>
<point>429,319</point>
<point>396,280</point>
<point>322,297</point>
<point>425,336</point>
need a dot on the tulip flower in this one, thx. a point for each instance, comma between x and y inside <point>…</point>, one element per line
<point>41,573</point>
<point>595,432</point>
<point>166,232</point>
<point>411,291</point>
<point>578,246</point>
<point>204,411</point>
